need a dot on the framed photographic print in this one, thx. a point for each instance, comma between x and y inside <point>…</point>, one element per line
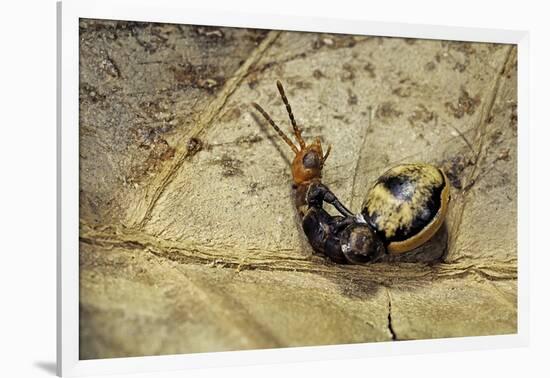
<point>283,189</point>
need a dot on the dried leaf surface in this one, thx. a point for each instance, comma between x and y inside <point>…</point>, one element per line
<point>189,238</point>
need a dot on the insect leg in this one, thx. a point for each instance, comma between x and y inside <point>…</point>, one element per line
<point>327,153</point>
<point>319,193</point>
<point>342,222</point>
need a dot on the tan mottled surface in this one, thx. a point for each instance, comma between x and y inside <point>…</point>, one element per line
<point>189,238</point>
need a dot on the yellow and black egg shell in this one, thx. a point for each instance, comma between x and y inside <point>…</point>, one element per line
<point>407,205</point>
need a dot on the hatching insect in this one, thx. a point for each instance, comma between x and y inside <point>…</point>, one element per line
<point>403,209</point>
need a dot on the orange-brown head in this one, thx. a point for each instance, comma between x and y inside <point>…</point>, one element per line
<point>309,159</point>
<point>308,163</point>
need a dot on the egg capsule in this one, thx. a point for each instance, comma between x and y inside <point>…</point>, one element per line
<point>407,205</point>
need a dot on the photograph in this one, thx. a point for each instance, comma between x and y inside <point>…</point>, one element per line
<point>245,189</point>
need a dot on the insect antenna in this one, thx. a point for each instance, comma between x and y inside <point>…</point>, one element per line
<point>327,153</point>
<point>279,131</point>
<point>297,130</point>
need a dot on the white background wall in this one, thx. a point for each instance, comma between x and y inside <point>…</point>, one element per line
<point>27,185</point>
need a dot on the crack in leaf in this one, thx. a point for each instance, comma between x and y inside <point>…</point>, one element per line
<point>390,321</point>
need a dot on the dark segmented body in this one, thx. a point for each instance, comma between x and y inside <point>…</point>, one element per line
<point>341,238</point>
